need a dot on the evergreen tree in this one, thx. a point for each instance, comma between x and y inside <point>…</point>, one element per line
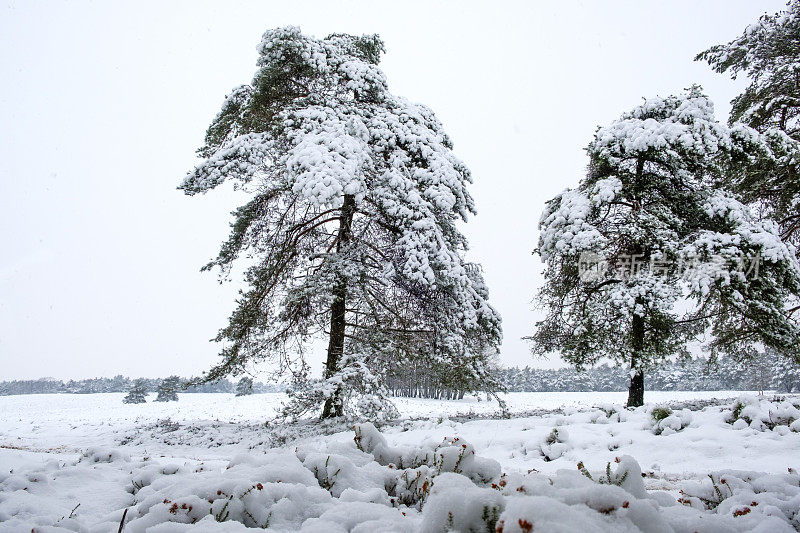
<point>352,225</point>
<point>785,373</point>
<point>137,392</point>
<point>168,389</point>
<point>644,229</point>
<point>244,387</point>
<point>768,53</point>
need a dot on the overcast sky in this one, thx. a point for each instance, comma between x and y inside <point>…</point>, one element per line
<point>102,105</point>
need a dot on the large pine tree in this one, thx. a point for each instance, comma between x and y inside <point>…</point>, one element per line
<point>665,255</point>
<point>352,225</point>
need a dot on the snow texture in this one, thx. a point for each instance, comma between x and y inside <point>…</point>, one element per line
<point>425,475</point>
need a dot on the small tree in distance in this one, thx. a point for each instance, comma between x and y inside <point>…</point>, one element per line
<point>168,389</point>
<point>244,387</point>
<point>137,392</point>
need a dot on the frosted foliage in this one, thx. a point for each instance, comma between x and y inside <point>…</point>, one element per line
<point>767,52</point>
<point>327,158</point>
<point>335,148</point>
<point>746,234</point>
<point>606,190</point>
<point>642,294</point>
<point>565,227</point>
<point>763,235</point>
<point>690,126</point>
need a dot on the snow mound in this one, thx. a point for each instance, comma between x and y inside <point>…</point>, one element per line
<point>104,455</point>
<point>451,455</point>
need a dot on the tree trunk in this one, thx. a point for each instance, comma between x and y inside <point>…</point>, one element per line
<point>636,388</point>
<point>334,405</point>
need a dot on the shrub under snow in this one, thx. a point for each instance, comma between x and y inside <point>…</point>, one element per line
<point>555,444</point>
<point>370,485</point>
<point>762,415</point>
<point>665,421</point>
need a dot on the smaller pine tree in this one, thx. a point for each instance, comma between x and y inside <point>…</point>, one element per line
<point>168,389</point>
<point>244,387</point>
<point>137,392</point>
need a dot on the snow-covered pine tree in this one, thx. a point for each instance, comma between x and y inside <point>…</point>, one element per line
<point>168,389</point>
<point>654,230</point>
<point>137,392</point>
<point>768,53</point>
<point>245,386</point>
<point>352,225</point>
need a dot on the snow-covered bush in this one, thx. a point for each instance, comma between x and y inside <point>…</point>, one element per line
<point>628,475</point>
<point>663,421</point>
<point>607,413</point>
<point>304,489</point>
<point>145,476</point>
<point>369,440</point>
<point>456,504</point>
<point>451,455</point>
<point>660,413</point>
<point>770,500</point>
<point>273,490</point>
<point>598,417</point>
<point>458,456</point>
<point>337,473</point>
<point>555,444</point>
<point>763,415</point>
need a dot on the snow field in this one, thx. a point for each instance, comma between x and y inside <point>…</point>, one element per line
<point>691,466</point>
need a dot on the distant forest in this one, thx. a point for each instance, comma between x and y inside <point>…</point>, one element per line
<point>764,373</point>
<point>116,384</point>
<point>761,373</point>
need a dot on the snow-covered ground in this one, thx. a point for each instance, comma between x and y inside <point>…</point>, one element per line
<point>212,452</point>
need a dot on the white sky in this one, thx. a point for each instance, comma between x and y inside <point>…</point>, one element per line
<point>103,104</point>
